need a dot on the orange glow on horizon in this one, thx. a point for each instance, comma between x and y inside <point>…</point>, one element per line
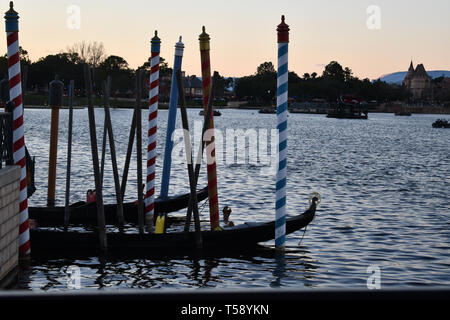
<point>243,34</point>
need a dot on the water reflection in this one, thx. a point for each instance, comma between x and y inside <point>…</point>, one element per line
<point>265,267</point>
<point>280,269</point>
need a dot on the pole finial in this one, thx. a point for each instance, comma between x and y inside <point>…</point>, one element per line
<point>11,9</point>
<point>179,47</point>
<point>156,42</point>
<point>11,19</point>
<point>204,39</point>
<point>283,31</point>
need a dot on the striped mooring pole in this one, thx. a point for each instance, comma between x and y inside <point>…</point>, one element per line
<point>15,93</point>
<point>152,126</point>
<point>282,103</point>
<point>165,181</point>
<point>210,145</point>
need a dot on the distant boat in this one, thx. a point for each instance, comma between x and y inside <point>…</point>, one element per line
<point>268,110</point>
<point>441,123</point>
<point>403,113</point>
<point>314,106</point>
<point>216,113</point>
<point>348,108</point>
<point>308,111</point>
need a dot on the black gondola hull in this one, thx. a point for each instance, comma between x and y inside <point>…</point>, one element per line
<point>61,243</point>
<point>82,213</point>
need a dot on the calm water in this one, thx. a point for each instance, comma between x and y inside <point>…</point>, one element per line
<point>385,202</point>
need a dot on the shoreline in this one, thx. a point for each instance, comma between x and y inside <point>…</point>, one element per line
<point>438,112</point>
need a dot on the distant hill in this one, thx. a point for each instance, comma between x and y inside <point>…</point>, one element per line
<point>397,77</point>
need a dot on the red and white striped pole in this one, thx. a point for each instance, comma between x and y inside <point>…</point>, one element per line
<point>15,93</point>
<point>152,126</point>
<point>210,145</point>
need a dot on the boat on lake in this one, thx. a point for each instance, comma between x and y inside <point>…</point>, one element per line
<point>403,113</point>
<point>441,123</point>
<point>216,113</point>
<point>270,110</point>
<point>348,107</point>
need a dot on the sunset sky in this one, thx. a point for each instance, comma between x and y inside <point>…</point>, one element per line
<point>243,32</point>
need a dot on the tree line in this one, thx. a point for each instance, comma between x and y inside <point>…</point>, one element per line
<point>259,88</point>
<point>68,65</point>
<point>335,80</point>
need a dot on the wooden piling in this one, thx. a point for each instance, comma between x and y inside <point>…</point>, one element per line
<point>93,134</point>
<point>188,148</point>
<point>138,111</point>
<point>51,185</point>
<point>126,168</point>
<point>69,156</point>
<point>198,163</point>
<point>55,98</point>
<point>102,161</point>
<point>112,148</point>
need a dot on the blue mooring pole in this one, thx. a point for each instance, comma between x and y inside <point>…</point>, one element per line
<point>282,102</point>
<point>165,181</point>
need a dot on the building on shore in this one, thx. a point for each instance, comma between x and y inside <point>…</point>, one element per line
<point>418,82</point>
<point>192,86</point>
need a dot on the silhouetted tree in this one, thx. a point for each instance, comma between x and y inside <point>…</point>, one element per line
<point>91,53</point>
<point>265,68</point>
<point>334,71</point>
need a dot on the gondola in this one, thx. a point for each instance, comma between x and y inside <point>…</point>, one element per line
<point>216,113</point>
<point>50,242</point>
<point>82,213</point>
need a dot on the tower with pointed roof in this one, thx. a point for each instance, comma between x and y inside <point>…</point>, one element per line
<point>409,75</point>
<point>418,82</point>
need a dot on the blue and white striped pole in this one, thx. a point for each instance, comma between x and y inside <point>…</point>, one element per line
<point>165,181</point>
<point>282,103</point>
